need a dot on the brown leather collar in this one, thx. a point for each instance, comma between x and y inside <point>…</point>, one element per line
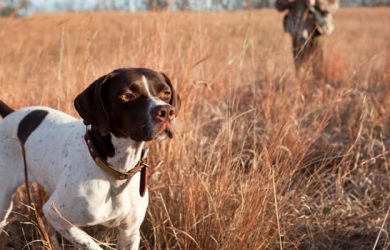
<point>142,165</point>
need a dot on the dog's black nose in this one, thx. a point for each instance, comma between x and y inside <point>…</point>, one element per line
<point>163,113</point>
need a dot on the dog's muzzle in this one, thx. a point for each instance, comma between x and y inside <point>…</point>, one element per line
<point>164,116</point>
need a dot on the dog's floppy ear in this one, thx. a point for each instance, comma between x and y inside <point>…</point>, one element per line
<point>90,106</point>
<point>175,99</point>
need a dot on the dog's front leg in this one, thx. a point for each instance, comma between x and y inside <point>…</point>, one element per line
<point>128,238</point>
<point>75,235</point>
<point>129,230</point>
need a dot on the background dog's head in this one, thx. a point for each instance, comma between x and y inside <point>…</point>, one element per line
<point>135,103</point>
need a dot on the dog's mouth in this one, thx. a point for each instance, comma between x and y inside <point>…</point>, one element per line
<point>165,129</point>
<point>158,131</point>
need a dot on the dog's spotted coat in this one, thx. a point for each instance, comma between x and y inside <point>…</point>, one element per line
<point>125,109</point>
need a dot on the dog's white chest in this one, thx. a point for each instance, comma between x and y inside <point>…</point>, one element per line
<point>125,204</point>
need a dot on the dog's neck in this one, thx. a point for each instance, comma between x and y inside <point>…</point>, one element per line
<point>127,153</point>
<point>122,154</point>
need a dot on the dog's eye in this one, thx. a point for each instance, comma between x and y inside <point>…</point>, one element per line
<point>165,95</point>
<point>128,96</point>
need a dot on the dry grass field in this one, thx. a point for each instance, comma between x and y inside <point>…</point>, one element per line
<point>262,159</point>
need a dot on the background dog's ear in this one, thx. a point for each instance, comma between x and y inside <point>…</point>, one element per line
<point>89,104</point>
<point>175,99</point>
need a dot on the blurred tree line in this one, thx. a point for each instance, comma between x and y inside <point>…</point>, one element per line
<point>23,7</point>
<point>11,7</point>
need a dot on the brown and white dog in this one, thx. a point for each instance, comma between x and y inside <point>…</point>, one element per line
<point>124,109</point>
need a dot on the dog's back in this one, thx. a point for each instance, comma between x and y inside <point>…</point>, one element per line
<point>45,134</point>
<point>5,109</point>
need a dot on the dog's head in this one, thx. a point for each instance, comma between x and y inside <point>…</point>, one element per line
<point>135,103</point>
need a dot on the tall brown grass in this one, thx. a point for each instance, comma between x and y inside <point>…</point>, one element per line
<point>262,159</point>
